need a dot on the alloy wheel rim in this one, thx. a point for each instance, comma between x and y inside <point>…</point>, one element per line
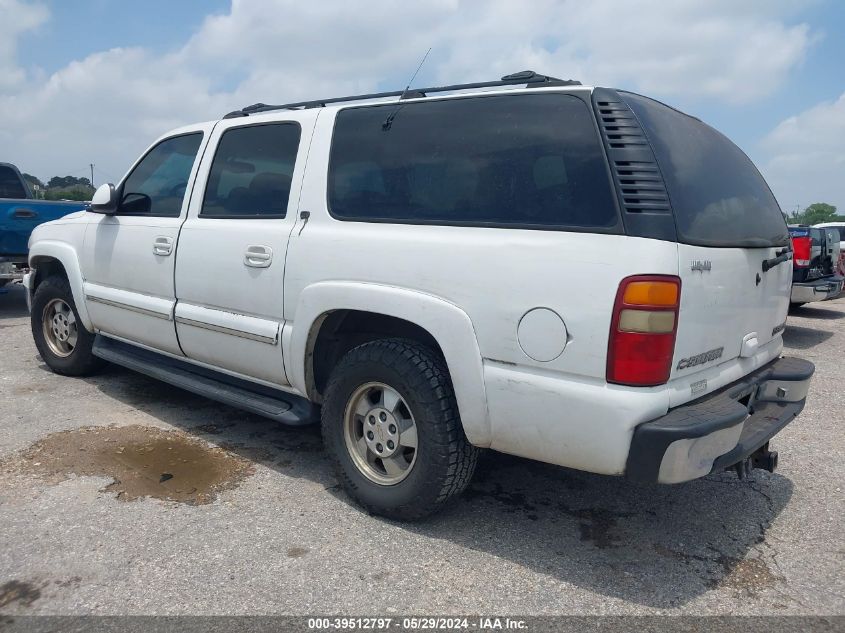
<point>380,433</point>
<point>60,328</point>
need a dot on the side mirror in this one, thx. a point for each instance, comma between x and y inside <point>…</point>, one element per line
<point>104,200</point>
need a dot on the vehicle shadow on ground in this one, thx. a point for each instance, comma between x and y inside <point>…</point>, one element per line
<point>13,302</point>
<point>660,546</point>
<point>814,311</point>
<point>798,337</point>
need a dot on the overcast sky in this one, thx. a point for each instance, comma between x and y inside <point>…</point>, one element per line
<point>98,80</point>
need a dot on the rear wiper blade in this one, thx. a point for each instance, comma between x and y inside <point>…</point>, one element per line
<point>783,255</point>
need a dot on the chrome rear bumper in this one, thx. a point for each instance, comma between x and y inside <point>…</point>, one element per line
<point>818,290</point>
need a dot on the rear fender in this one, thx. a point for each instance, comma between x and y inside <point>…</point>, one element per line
<point>448,324</point>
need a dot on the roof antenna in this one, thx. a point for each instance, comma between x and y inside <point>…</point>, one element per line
<point>388,122</point>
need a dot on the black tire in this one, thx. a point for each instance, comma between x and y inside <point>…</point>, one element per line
<point>80,361</point>
<point>445,460</point>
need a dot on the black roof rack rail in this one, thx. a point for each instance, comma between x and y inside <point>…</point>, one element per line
<point>527,77</point>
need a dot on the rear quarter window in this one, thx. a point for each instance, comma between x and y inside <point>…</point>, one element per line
<point>526,161</point>
<point>718,197</point>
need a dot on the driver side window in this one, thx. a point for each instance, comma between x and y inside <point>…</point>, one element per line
<point>157,185</point>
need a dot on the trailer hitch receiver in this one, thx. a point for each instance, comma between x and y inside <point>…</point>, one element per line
<point>761,458</point>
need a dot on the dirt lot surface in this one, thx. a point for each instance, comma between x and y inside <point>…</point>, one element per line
<point>122,495</point>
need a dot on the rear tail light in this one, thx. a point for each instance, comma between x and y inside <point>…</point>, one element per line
<point>642,330</point>
<point>801,247</point>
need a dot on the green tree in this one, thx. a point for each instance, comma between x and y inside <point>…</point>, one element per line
<point>58,182</point>
<point>32,181</point>
<point>817,213</point>
<point>69,193</point>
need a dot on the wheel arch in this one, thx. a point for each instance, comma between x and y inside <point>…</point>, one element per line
<point>326,308</point>
<point>50,257</point>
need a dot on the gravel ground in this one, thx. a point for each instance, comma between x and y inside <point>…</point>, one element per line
<point>526,539</point>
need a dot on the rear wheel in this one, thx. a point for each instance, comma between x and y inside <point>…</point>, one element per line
<point>61,339</point>
<point>391,425</point>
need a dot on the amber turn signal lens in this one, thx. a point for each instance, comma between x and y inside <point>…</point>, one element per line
<point>651,293</point>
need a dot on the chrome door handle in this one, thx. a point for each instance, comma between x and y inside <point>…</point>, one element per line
<point>163,246</point>
<point>257,256</point>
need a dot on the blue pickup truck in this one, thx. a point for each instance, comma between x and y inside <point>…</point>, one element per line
<point>19,214</point>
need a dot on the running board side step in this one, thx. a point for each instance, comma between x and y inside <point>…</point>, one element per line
<point>265,401</point>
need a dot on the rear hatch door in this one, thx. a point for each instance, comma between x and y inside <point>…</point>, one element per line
<point>730,307</point>
<point>734,257</point>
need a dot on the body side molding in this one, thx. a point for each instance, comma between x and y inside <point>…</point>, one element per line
<point>241,325</point>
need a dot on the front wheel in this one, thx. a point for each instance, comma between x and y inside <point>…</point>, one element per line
<point>391,425</point>
<point>61,339</point>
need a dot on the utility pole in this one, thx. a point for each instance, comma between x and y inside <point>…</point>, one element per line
<point>92,173</point>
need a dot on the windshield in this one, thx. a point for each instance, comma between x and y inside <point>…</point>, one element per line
<point>718,196</point>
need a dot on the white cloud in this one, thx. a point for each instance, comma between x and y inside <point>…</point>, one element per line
<point>807,161</point>
<point>735,52</point>
<point>17,18</point>
<point>107,107</point>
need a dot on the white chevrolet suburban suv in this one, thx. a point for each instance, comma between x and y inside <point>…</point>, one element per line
<point>576,275</point>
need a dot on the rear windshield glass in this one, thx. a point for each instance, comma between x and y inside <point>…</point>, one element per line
<point>718,196</point>
<point>10,184</point>
<point>528,161</point>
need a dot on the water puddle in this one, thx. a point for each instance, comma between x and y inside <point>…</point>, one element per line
<point>143,462</point>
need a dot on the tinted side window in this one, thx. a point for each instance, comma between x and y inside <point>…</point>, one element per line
<point>10,184</point>
<point>718,196</point>
<point>158,183</point>
<point>251,172</point>
<point>522,160</point>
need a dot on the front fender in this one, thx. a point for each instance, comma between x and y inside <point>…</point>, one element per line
<point>65,254</point>
<point>448,324</point>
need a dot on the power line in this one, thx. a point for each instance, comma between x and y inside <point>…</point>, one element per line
<point>108,176</point>
<point>82,170</point>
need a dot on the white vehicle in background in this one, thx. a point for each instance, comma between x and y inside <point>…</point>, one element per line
<point>839,227</point>
<point>576,275</point>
